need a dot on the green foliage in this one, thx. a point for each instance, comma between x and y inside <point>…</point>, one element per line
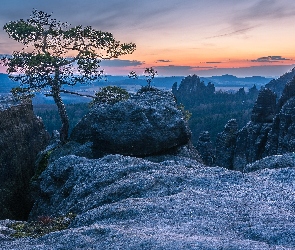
<point>110,95</point>
<point>22,93</point>
<point>42,165</point>
<point>150,74</point>
<point>146,89</point>
<point>186,114</point>
<point>44,64</point>
<point>44,225</point>
<point>50,116</point>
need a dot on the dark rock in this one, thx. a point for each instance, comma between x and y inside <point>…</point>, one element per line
<point>225,145</point>
<point>265,107</point>
<point>281,138</point>
<point>192,90</point>
<point>272,162</point>
<point>22,136</point>
<point>278,85</point>
<point>129,203</point>
<point>205,148</point>
<point>146,124</point>
<point>288,92</point>
<point>250,144</point>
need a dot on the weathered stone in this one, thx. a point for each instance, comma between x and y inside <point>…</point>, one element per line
<point>265,107</point>
<point>129,203</point>
<point>250,144</point>
<point>205,148</point>
<point>278,85</point>
<point>22,136</point>
<point>146,124</point>
<point>225,145</point>
<point>272,162</point>
<point>288,92</point>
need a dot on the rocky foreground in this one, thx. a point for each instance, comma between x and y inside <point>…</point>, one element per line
<point>146,188</point>
<point>124,202</point>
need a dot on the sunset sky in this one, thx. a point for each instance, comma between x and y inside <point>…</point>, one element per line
<point>180,37</point>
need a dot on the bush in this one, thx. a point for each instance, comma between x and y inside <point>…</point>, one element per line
<point>110,95</point>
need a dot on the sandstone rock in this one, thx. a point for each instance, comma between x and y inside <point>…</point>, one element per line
<point>281,138</point>
<point>272,162</point>
<point>225,145</point>
<point>205,148</point>
<point>129,203</point>
<point>265,107</point>
<point>288,92</point>
<point>278,85</point>
<point>146,124</point>
<point>22,136</point>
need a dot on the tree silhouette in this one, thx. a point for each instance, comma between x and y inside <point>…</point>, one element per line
<point>56,54</point>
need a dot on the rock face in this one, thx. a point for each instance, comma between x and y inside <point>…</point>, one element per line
<point>271,131</point>
<point>130,203</point>
<point>265,107</point>
<point>22,136</point>
<point>146,124</point>
<point>225,145</point>
<point>205,148</point>
<point>251,139</point>
<point>278,85</point>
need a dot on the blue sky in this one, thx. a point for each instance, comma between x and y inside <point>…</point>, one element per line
<point>180,37</point>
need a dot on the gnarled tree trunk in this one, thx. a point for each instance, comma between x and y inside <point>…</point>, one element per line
<point>63,115</point>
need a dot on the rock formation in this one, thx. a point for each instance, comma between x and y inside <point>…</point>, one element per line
<point>271,131</point>
<point>278,85</point>
<point>225,145</point>
<point>205,148</point>
<point>146,124</point>
<point>124,202</point>
<point>22,136</point>
<point>251,139</point>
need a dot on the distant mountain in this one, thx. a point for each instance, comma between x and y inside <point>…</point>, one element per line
<point>231,80</point>
<point>6,84</point>
<point>278,85</point>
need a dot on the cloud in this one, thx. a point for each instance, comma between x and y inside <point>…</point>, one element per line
<point>213,62</point>
<point>266,70</point>
<point>178,70</point>
<point>254,14</point>
<point>232,33</point>
<point>162,60</point>
<point>120,63</point>
<point>270,59</point>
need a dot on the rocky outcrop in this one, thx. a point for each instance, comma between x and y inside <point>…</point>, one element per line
<point>148,123</point>
<point>192,90</point>
<point>22,136</point>
<point>265,107</point>
<point>271,131</point>
<point>225,145</point>
<point>278,85</point>
<point>251,139</point>
<point>272,162</point>
<point>205,148</point>
<point>124,202</point>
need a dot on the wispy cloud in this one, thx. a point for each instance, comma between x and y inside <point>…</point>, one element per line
<point>121,63</point>
<point>164,61</point>
<point>232,33</point>
<point>270,59</point>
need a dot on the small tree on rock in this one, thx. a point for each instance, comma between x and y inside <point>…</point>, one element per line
<point>57,55</point>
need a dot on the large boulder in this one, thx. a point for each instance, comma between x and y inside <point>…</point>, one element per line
<point>148,123</point>
<point>22,136</point>
<point>124,202</point>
